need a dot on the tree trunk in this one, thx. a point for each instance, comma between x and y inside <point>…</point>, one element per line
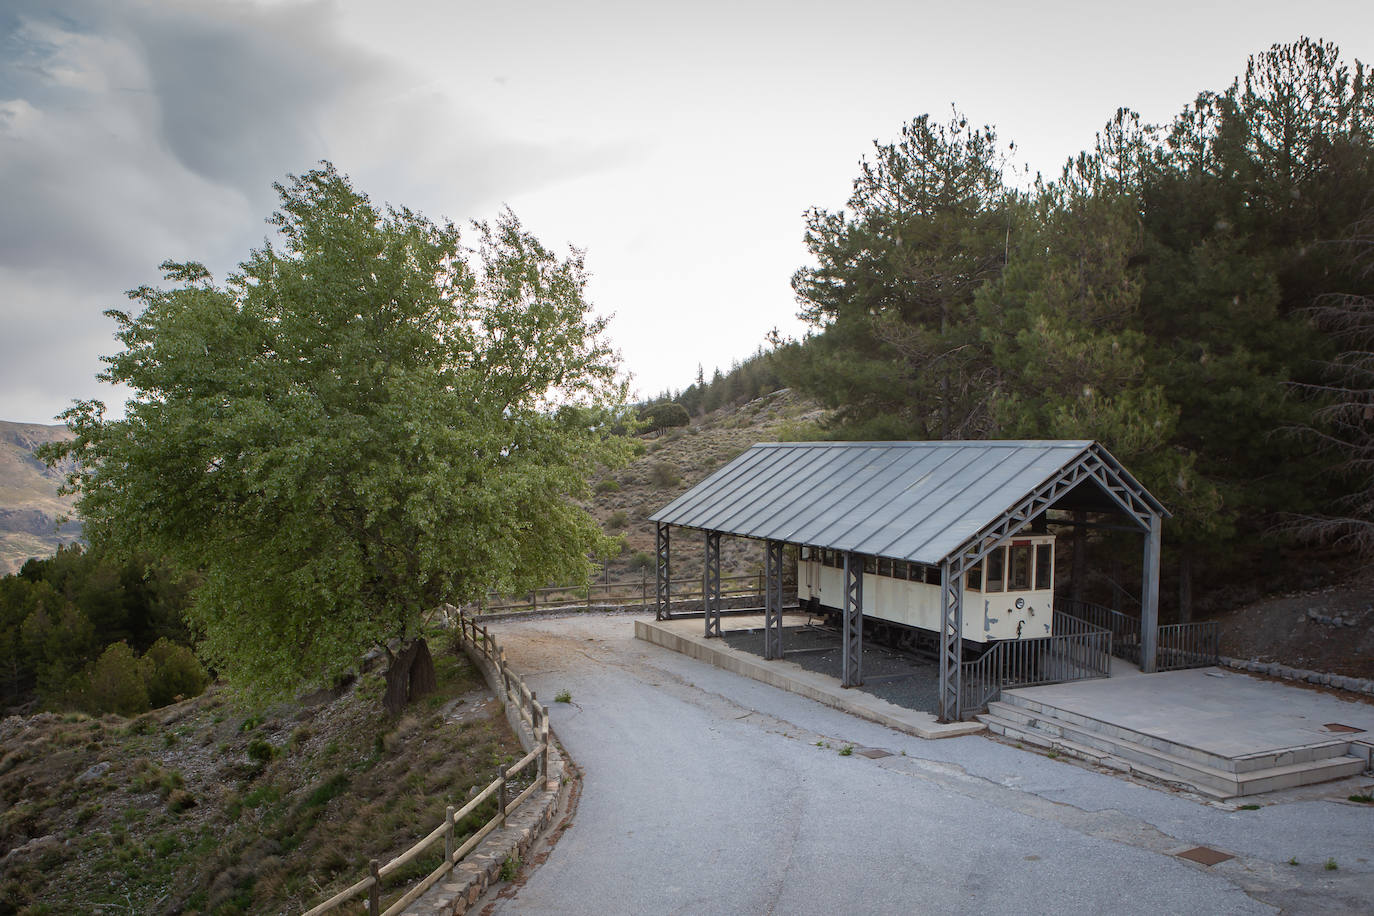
<point>410,676</point>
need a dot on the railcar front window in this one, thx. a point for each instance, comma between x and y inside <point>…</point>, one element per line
<point>1044,567</point>
<point>975,578</point>
<point>997,570</point>
<point>1020,580</point>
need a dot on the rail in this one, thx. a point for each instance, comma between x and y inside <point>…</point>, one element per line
<point>625,593</point>
<point>1079,652</point>
<point>1125,629</point>
<point>530,711</point>
<point>1188,645</point>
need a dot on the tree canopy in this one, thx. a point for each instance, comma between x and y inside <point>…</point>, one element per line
<point>365,420</point>
<point>1156,296</point>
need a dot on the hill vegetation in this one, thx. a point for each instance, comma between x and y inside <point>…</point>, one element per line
<point>30,506</point>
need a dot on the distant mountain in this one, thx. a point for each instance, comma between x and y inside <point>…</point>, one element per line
<point>29,504</point>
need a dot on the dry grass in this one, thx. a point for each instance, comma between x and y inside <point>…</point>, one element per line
<point>170,813</point>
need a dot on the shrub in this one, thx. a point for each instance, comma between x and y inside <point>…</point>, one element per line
<point>665,415</point>
<point>664,474</point>
<point>607,485</point>
<point>642,560</point>
<point>174,673</point>
<point>260,750</point>
<point>563,696</point>
<point>118,682</point>
<point>618,519</point>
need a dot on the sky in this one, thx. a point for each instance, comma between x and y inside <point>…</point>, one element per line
<point>679,145</point>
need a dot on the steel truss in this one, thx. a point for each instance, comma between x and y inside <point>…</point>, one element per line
<point>710,584</point>
<point>772,605</point>
<point>851,673</point>
<point>1094,464</point>
<point>662,577</point>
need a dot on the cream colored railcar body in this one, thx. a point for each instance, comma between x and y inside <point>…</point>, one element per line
<point>1010,595</point>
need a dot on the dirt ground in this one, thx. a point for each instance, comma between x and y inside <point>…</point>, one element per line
<point>1325,629</point>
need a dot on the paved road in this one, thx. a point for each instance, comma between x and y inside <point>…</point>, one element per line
<point>706,793</point>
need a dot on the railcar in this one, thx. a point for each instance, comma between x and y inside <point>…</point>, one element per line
<point>1009,595</point>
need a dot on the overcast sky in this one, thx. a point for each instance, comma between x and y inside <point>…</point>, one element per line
<point>678,144</point>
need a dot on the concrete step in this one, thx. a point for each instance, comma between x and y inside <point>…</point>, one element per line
<point>1065,737</point>
<point>1318,750</point>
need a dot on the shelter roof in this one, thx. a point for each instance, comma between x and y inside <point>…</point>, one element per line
<point>917,501</point>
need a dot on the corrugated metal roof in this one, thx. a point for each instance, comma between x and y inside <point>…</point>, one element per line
<point>918,501</point>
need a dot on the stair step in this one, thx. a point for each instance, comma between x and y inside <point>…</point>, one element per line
<point>1060,735</point>
<point>1319,750</point>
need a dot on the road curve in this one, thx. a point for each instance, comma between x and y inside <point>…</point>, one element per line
<point>707,793</point>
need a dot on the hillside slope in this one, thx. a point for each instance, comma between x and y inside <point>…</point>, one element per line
<point>29,504</point>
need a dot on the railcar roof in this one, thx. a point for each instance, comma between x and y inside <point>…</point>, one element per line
<point>917,501</point>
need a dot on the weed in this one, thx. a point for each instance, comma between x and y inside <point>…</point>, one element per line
<point>1248,808</point>
<point>179,800</point>
<point>618,520</point>
<point>1331,865</point>
<point>1362,799</point>
<point>664,475</point>
<point>510,868</point>
<point>563,696</point>
<point>1293,861</point>
<point>847,750</point>
<point>608,485</point>
<point>250,723</point>
<point>1053,755</point>
<point>260,751</point>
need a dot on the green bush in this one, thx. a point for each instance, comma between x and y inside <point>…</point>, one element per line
<point>617,520</point>
<point>665,415</point>
<point>174,673</point>
<point>642,560</point>
<point>118,682</point>
<point>664,474</point>
<point>608,485</point>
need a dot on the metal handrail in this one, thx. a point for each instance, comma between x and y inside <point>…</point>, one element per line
<point>1188,645</point>
<point>1124,628</point>
<point>1080,655</point>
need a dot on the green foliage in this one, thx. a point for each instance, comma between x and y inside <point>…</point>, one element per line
<point>664,415</point>
<point>365,421</point>
<point>641,560</point>
<point>563,696</point>
<point>664,475</point>
<point>618,520</point>
<point>607,485</point>
<point>510,868</point>
<point>174,673</point>
<point>118,682</point>
<point>261,751</point>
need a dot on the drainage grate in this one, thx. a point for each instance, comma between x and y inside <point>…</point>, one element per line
<point>1205,855</point>
<point>872,753</point>
<point>1338,727</point>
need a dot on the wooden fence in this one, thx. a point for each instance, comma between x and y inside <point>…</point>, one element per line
<point>537,717</point>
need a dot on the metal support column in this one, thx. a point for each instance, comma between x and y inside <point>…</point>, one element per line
<point>851,664</point>
<point>772,605</point>
<point>710,584</point>
<point>951,642</point>
<point>1149,598</point>
<point>662,576</point>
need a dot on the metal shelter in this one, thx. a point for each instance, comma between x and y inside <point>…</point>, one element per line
<point>945,504</point>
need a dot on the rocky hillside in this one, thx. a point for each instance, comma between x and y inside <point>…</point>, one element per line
<point>29,504</point>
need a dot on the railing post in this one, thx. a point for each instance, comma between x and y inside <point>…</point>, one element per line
<point>501,794</point>
<point>448,834</point>
<point>544,740</point>
<point>374,893</point>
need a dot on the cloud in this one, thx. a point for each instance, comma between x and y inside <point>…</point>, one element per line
<point>134,131</point>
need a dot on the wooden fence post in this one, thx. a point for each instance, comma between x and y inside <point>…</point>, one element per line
<point>448,834</point>
<point>501,794</point>
<point>374,893</point>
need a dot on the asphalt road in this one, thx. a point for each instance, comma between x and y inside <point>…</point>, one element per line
<point>705,792</point>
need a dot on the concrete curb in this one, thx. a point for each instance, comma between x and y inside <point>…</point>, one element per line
<point>1319,678</point>
<point>470,879</point>
<point>795,679</point>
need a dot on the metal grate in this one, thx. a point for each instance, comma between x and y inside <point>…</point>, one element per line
<point>1205,855</point>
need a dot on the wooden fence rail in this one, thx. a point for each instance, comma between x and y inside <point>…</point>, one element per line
<point>530,710</point>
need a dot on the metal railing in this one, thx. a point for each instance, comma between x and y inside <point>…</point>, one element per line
<point>625,593</point>
<point>531,712</point>
<point>1125,629</point>
<point>1084,652</point>
<point>1188,645</point>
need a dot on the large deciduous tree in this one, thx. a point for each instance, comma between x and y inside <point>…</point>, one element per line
<point>366,420</point>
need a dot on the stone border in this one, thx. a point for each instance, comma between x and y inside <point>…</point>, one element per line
<point>1319,678</point>
<point>470,879</point>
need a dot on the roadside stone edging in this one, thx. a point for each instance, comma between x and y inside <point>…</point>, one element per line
<point>472,877</point>
<point>1320,678</point>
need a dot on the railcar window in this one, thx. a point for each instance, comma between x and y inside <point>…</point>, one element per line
<point>885,568</point>
<point>1020,578</point>
<point>870,565</point>
<point>997,576</point>
<point>1044,567</point>
<point>975,578</point>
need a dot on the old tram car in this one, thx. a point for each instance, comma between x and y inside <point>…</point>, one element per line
<point>1009,595</point>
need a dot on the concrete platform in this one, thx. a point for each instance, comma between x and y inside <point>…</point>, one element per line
<point>1223,733</point>
<point>686,637</point>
